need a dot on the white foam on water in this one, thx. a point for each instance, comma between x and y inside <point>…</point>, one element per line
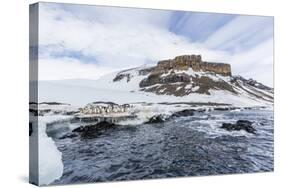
<point>212,127</point>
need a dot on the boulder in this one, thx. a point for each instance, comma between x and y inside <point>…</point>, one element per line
<point>239,125</point>
<point>164,117</point>
<point>92,131</point>
<point>186,112</point>
<point>225,108</point>
<point>78,129</point>
<point>158,119</point>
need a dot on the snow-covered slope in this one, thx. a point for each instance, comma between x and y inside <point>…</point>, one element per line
<point>140,85</point>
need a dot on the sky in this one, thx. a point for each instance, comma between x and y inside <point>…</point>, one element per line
<point>87,42</point>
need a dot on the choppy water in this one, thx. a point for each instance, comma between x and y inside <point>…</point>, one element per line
<point>187,146</point>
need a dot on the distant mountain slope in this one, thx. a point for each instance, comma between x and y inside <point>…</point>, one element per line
<point>182,79</point>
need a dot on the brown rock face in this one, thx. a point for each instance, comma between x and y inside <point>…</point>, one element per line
<point>171,77</point>
<point>164,78</point>
<point>195,62</point>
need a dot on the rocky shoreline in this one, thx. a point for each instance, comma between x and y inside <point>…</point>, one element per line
<point>97,123</point>
<point>98,128</point>
<point>62,123</point>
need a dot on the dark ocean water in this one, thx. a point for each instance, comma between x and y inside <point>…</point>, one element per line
<point>186,146</point>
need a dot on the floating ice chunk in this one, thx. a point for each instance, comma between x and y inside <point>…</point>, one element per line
<point>50,158</point>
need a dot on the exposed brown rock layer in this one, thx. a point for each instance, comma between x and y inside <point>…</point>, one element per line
<point>164,78</point>
<point>195,62</point>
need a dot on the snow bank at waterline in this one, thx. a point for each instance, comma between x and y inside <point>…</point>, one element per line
<point>49,157</point>
<point>80,95</point>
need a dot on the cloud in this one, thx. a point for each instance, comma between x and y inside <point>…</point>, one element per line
<point>241,33</point>
<point>98,40</point>
<point>67,68</point>
<point>256,63</point>
<point>198,26</point>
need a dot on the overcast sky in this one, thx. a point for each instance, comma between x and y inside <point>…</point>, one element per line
<point>79,41</point>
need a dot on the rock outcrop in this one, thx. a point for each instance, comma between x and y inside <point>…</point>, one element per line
<point>252,83</point>
<point>93,131</point>
<point>184,113</point>
<point>240,125</point>
<point>194,62</point>
<point>189,74</point>
<point>164,117</point>
<point>184,75</point>
<point>158,119</point>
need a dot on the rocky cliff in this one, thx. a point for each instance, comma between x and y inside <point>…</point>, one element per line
<point>193,62</point>
<point>182,70</point>
<point>187,75</point>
